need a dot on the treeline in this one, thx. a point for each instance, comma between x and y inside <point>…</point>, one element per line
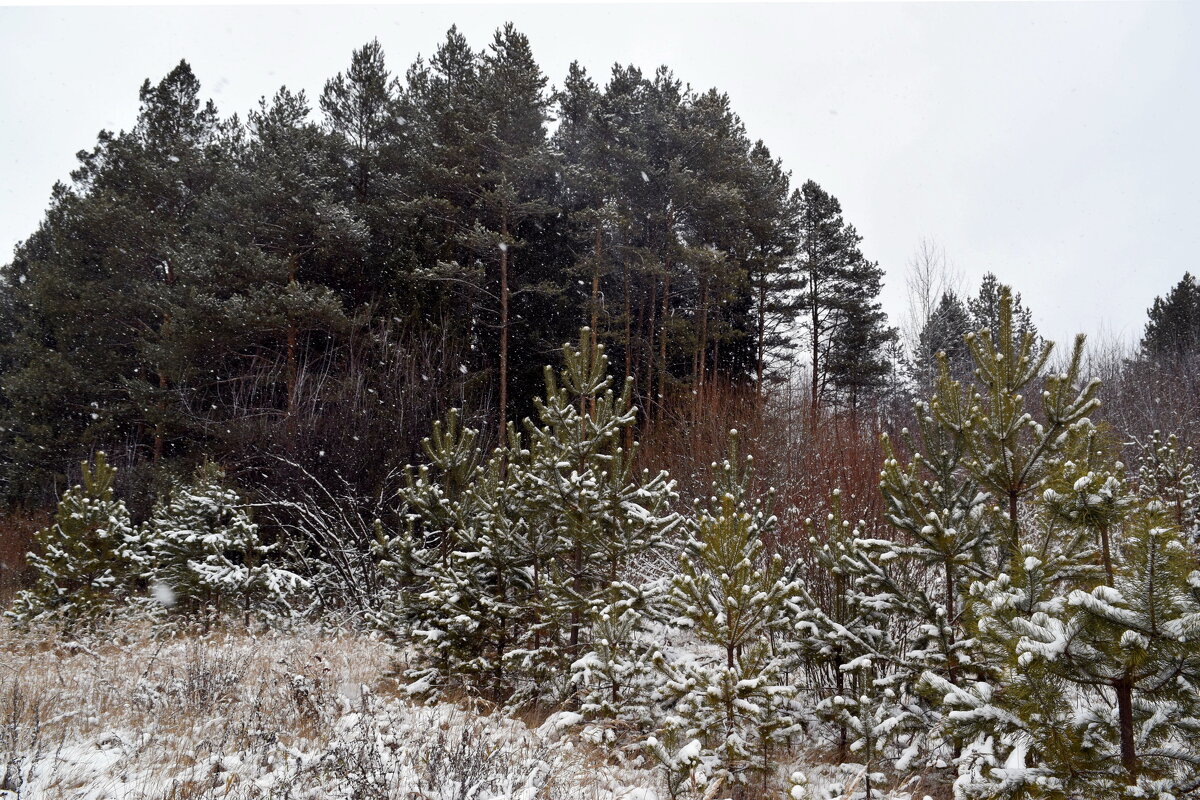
<point>280,289</point>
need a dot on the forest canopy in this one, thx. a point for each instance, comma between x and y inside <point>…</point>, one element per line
<point>318,274</point>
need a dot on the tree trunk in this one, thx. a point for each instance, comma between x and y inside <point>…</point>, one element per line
<point>762,336</point>
<point>662,343</point>
<point>596,287</point>
<point>1106,555</point>
<point>158,429</point>
<point>703,349</point>
<point>816,352</point>
<point>503,411</point>
<point>650,333</point>
<point>951,669</point>
<point>291,346</point>
<point>628,323</point>
<point>162,375</point>
<point>1014,534</point>
<point>1124,690</point>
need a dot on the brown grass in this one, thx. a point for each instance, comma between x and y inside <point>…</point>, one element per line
<point>17,527</point>
<point>129,713</point>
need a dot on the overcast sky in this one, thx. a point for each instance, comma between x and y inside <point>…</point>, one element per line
<point>1054,144</point>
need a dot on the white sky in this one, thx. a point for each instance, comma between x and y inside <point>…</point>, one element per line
<point>1052,143</point>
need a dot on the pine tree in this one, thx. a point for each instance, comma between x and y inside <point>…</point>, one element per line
<point>581,478</point>
<point>1010,452</point>
<point>1173,328</point>
<point>850,650</point>
<point>846,332</point>
<point>357,107</point>
<point>986,312</point>
<point>98,287</point>
<point>511,562</point>
<point>205,555</point>
<point>857,361</point>
<point>977,458</point>
<point>944,332</point>
<point>771,266</point>
<point>1096,692</point>
<point>1166,470</point>
<point>731,597</point>
<point>88,559</point>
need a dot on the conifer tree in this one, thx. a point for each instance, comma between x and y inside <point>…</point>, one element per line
<point>88,559</point>
<point>846,331</point>
<point>772,271</point>
<point>1011,453</point>
<point>847,640</point>
<point>986,312</point>
<point>205,555</point>
<point>1167,471</point>
<point>734,598</point>
<point>511,562</point>
<point>1095,694</point>
<point>978,458</point>
<point>944,332</point>
<point>357,107</point>
<point>1173,328</point>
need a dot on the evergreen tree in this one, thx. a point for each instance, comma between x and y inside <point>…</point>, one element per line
<point>979,459</point>
<point>98,287</point>
<point>857,361</point>
<point>1010,452</point>
<point>944,332</point>
<point>845,333</point>
<point>1096,693</point>
<point>1166,470</point>
<point>986,313</point>
<point>511,562</point>
<point>88,559</point>
<point>357,107</point>
<point>1173,329</point>
<point>851,651</point>
<point>771,260</point>
<point>742,604</point>
<point>205,555</point>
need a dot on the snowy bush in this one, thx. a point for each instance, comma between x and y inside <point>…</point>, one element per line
<point>88,559</point>
<point>204,554</point>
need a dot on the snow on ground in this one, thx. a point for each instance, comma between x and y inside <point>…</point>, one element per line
<point>311,713</point>
<point>306,714</point>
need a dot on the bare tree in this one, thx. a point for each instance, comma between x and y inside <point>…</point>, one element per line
<point>930,275</point>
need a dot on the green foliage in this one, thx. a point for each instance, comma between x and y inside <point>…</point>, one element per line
<point>88,558</point>
<point>1166,470</point>
<point>1096,694</point>
<point>850,639</point>
<point>741,605</point>
<point>987,314</point>
<point>1173,328</point>
<point>208,287</point>
<point>847,332</point>
<point>204,554</point>
<point>510,562</point>
<point>944,332</point>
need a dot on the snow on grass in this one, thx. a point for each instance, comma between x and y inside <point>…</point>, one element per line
<point>128,714</point>
<point>307,714</point>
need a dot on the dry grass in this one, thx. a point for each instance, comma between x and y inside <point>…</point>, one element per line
<point>311,713</point>
<point>17,527</point>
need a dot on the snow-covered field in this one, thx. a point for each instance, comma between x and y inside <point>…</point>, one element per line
<point>309,713</point>
<point>296,715</point>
